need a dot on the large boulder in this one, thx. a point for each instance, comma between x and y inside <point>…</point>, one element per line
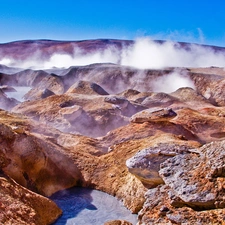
<point>197,179</point>
<point>33,160</point>
<point>18,205</point>
<point>153,114</point>
<point>145,164</point>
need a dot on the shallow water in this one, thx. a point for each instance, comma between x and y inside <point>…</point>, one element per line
<point>20,92</point>
<point>83,206</point>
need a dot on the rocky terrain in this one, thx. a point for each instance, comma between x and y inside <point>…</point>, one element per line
<point>106,126</point>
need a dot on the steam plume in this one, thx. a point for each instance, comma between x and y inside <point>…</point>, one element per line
<point>171,82</point>
<point>143,54</point>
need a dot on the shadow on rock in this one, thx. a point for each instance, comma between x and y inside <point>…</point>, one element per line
<point>72,201</point>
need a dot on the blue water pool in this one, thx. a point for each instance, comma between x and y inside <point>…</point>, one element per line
<point>83,206</point>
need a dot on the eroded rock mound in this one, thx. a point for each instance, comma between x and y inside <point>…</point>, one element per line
<point>32,160</point>
<point>83,108</point>
<point>46,160</point>
<point>153,114</point>
<point>21,206</point>
<point>84,87</point>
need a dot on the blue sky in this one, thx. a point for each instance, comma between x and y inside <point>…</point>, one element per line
<point>192,21</point>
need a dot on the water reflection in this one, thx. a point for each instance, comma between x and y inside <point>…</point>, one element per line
<point>83,206</point>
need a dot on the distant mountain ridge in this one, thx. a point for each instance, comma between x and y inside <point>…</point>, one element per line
<point>45,48</point>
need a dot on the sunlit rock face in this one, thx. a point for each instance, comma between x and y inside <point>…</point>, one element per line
<point>89,114</point>
<point>145,164</point>
<point>193,190</point>
<point>31,159</point>
<point>197,179</point>
<point>21,206</point>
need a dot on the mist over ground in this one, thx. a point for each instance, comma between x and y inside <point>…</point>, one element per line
<point>143,54</point>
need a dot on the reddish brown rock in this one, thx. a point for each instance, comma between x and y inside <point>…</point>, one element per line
<point>205,124</point>
<point>33,160</point>
<point>21,206</point>
<point>190,98</point>
<point>158,210</point>
<point>82,109</point>
<point>118,222</point>
<point>87,88</point>
<point>46,160</point>
<point>153,114</point>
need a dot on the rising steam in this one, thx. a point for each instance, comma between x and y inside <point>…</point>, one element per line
<point>80,58</point>
<point>147,54</point>
<point>171,82</point>
<point>143,54</point>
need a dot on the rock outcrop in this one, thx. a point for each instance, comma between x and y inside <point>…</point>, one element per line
<point>18,205</point>
<point>118,222</point>
<point>6,102</point>
<point>193,191</point>
<point>83,108</point>
<point>153,114</point>
<point>45,160</point>
<point>198,179</point>
<point>158,210</point>
<point>145,164</point>
<point>31,159</point>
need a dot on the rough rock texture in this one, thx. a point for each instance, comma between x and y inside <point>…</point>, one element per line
<point>118,222</point>
<point>145,164</point>
<point>194,189</point>
<point>83,108</point>
<point>80,125</point>
<point>158,210</point>
<point>206,123</point>
<point>198,179</point>
<point>46,160</point>
<point>21,206</point>
<point>32,160</point>
<point>153,114</point>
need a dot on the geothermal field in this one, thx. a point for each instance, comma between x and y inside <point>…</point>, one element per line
<point>112,132</point>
